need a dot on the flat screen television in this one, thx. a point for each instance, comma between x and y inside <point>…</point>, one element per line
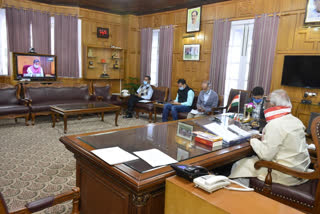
<point>36,67</point>
<point>301,71</point>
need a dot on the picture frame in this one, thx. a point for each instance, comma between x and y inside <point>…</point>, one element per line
<point>191,52</point>
<point>185,131</point>
<point>193,19</point>
<point>312,15</point>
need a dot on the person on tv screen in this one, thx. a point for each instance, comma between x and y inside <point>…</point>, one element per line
<point>35,70</point>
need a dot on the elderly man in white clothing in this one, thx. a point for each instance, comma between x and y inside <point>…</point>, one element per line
<point>283,142</point>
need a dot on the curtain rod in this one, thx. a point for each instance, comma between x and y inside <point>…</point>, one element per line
<point>251,17</point>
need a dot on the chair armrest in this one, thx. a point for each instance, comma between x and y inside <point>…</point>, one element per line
<point>286,170</point>
<point>50,201</point>
<point>99,98</point>
<point>26,102</point>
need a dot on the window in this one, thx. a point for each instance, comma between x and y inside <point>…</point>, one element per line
<point>155,57</point>
<point>3,44</point>
<point>239,56</point>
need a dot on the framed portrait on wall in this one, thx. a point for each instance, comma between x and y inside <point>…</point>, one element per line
<point>193,19</point>
<point>191,52</point>
<point>312,12</point>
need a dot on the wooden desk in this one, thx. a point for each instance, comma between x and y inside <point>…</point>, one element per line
<point>183,198</point>
<point>135,187</point>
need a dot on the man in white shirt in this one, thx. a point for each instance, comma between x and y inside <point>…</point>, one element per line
<point>283,142</point>
<point>144,92</point>
<point>34,70</point>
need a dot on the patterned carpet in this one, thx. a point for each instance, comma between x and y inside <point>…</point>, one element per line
<point>33,162</point>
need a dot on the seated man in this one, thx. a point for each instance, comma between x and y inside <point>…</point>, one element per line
<point>35,70</point>
<point>283,142</point>
<point>207,100</point>
<point>182,103</point>
<point>144,92</point>
<point>258,101</point>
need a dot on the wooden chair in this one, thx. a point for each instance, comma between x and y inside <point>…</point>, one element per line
<point>159,94</point>
<point>44,203</point>
<point>305,197</point>
<point>243,99</point>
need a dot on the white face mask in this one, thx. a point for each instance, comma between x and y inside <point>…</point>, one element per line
<point>36,66</point>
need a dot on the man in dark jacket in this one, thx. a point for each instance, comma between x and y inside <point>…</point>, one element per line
<point>182,103</point>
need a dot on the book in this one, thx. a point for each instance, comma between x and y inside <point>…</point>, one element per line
<point>207,138</point>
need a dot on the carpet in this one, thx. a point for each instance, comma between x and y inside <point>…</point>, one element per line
<point>35,164</point>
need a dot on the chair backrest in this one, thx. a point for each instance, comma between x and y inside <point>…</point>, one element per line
<point>220,101</point>
<point>3,205</point>
<point>9,94</point>
<point>102,91</point>
<point>315,132</point>
<point>243,99</point>
<point>160,93</point>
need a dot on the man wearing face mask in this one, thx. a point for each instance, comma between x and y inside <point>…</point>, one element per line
<point>144,92</point>
<point>182,103</point>
<point>35,70</point>
<point>258,100</point>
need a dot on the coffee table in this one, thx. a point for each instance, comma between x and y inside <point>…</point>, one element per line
<point>83,108</point>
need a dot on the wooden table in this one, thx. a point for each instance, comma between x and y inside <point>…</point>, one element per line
<point>136,187</point>
<point>86,108</point>
<point>183,198</point>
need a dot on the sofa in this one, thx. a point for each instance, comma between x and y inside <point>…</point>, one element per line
<point>41,97</point>
<point>160,94</point>
<point>11,105</point>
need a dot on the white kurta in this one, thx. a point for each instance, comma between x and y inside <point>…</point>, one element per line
<point>283,142</point>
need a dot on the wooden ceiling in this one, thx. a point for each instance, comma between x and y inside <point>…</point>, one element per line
<point>135,7</point>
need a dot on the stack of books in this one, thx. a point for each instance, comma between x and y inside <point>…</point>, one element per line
<point>206,138</point>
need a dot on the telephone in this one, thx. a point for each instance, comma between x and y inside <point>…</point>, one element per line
<point>189,172</point>
<point>125,93</point>
<point>211,183</point>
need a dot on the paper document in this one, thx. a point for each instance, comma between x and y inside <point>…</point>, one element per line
<point>195,111</point>
<point>222,131</point>
<point>144,101</point>
<point>239,131</point>
<point>155,157</point>
<point>114,155</point>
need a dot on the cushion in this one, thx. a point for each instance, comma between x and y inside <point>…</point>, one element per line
<point>13,109</point>
<point>8,96</point>
<point>146,106</point>
<point>304,193</point>
<point>183,115</point>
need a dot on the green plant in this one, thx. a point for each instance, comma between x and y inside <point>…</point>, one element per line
<point>132,84</point>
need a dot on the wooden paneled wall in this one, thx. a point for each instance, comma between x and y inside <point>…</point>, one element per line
<point>293,39</point>
<point>124,32</point>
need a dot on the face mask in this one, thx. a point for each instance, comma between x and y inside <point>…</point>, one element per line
<point>145,82</point>
<point>181,88</point>
<point>257,100</point>
<point>36,66</point>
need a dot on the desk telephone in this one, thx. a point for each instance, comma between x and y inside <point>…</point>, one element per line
<point>211,183</point>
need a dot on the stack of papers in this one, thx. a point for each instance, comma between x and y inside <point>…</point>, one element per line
<point>195,111</point>
<point>239,131</point>
<point>223,132</point>
<point>144,101</point>
<point>114,155</point>
<point>155,157</point>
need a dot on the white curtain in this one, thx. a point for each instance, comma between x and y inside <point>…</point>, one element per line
<point>3,44</point>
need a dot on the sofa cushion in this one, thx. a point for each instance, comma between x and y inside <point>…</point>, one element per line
<point>304,193</point>
<point>13,109</point>
<point>145,106</point>
<point>45,106</point>
<point>8,96</point>
<point>59,95</point>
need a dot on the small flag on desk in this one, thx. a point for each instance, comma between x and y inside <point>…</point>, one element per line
<point>235,102</point>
